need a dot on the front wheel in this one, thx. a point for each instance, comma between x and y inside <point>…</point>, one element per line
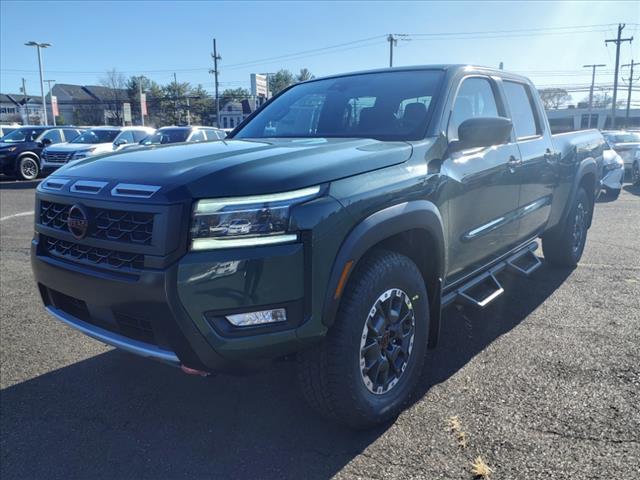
<point>369,363</point>
<point>28,168</point>
<point>635,173</point>
<point>564,246</point>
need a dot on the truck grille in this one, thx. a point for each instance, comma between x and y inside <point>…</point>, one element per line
<point>116,225</point>
<point>56,157</point>
<point>92,256</point>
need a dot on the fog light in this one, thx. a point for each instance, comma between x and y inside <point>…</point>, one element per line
<point>258,318</point>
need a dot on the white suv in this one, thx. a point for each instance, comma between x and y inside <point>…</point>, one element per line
<point>92,142</point>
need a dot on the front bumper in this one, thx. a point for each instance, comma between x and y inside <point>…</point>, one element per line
<point>174,314</point>
<point>612,180</point>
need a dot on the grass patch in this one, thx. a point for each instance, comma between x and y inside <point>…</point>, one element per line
<point>480,469</point>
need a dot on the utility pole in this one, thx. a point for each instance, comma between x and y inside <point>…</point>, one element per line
<point>24,92</point>
<point>392,43</point>
<point>626,118</point>
<point>617,41</point>
<point>593,80</point>
<point>175,97</point>
<point>215,72</point>
<point>48,82</point>
<point>140,97</point>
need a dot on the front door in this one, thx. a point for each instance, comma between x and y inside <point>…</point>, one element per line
<point>482,190</point>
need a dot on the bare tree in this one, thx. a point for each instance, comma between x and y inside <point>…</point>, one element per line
<point>117,94</point>
<point>554,97</point>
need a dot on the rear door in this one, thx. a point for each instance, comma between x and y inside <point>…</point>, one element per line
<point>482,194</point>
<point>535,174</point>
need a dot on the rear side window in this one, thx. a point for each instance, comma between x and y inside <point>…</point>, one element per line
<point>70,134</point>
<point>522,112</point>
<point>138,135</point>
<point>197,136</point>
<point>475,99</point>
<point>211,134</point>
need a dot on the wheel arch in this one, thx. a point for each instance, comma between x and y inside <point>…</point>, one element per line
<point>414,229</point>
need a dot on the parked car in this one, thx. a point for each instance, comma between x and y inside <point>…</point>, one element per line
<point>20,150</point>
<point>627,145</point>
<point>92,142</point>
<point>611,173</point>
<point>167,135</point>
<point>378,199</point>
<point>6,129</point>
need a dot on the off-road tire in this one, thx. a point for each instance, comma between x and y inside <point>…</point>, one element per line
<point>560,246</point>
<point>330,374</point>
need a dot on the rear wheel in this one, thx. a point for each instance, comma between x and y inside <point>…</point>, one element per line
<point>28,168</point>
<point>564,246</point>
<point>369,363</point>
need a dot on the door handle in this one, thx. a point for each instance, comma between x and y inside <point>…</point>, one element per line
<point>513,163</point>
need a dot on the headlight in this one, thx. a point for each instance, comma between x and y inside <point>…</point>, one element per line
<point>82,154</point>
<point>246,221</point>
<point>9,149</point>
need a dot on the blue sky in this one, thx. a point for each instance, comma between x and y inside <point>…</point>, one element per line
<point>157,38</point>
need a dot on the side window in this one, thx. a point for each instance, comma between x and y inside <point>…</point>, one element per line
<point>211,134</point>
<point>139,135</point>
<point>475,99</point>
<point>53,135</point>
<point>70,134</point>
<point>126,135</point>
<point>197,136</point>
<point>522,110</point>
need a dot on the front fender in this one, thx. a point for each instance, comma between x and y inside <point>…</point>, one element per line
<point>412,215</point>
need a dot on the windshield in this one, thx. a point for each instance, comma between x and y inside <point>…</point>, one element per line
<point>23,135</point>
<point>170,135</point>
<point>385,106</point>
<point>96,136</point>
<point>626,137</point>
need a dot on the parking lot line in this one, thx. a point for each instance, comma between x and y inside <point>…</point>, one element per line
<point>21,214</point>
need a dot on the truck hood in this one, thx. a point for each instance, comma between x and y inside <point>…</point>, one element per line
<point>239,167</point>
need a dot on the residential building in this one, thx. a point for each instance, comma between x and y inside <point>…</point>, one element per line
<point>89,104</point>
<point>20,108</point>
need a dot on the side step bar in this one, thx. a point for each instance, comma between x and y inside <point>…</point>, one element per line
<point>483,289</point>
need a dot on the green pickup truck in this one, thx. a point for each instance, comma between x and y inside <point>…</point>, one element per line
<point>334,225</point>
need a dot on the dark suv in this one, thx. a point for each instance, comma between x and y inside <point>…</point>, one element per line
<point>335,224</point>
<point>20,149</point>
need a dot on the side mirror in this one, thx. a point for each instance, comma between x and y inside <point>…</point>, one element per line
<point>120,142</point>
<point>483,132</point>
<point>46,141</point>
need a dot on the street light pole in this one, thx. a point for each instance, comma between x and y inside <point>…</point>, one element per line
<point>39,46</point>
<point>51,101</point>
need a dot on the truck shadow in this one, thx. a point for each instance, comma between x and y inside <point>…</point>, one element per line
<point>117,416</point>
<point>7,183</point>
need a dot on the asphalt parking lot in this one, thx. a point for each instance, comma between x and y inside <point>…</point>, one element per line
<point>545,384</point>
